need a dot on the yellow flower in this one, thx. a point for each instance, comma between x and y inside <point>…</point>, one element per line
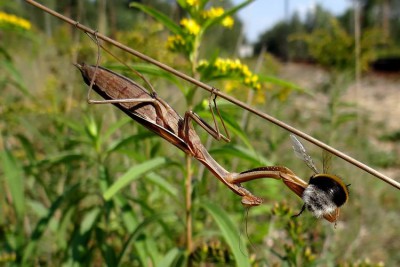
<point>213,12</point>
<point>193,2</point>
<point>14,20</point>
<point>191,25</point>
<point>228,22</point>
<point>234,68</point>
<point>174,42</point>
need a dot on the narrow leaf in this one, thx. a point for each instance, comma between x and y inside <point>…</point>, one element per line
<point>170,259</point>
<point>163,184</point>
<point>138,230</point>
<point>283,83</point>
<point>229,12</point>
<point>162,18</point>
<point>13,176</point>
<point>43,223</point>
<point>118,144</point>
<point>89,220</point>
<point>242,153</point>
<point>114,127</point>
<point>132,174</point>
<point>61,158</point>
<point>230,233</point>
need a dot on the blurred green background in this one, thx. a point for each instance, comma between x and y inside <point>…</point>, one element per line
<point>83,185</point>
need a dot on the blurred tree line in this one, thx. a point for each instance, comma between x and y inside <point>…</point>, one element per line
<point>319,32</point>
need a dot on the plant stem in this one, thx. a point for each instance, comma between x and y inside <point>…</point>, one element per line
<point>188,201</point>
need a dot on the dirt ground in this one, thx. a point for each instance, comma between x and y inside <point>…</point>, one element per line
<point>378,94</point>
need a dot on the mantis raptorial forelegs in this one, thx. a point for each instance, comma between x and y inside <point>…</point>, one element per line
<point>293,182</point>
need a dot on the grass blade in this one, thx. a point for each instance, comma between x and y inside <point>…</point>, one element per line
<point>13,176</point>
<point>171,258</point>
<point>43,223</point>
<point>132,174</point>
<point>138,230</point>
<point>164,19</point>
<point>229,232</point>
<point>89,220</point>
<point>241,152</point>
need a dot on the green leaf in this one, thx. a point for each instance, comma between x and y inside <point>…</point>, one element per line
<point>230,233</point>
<point>16,77</point>
<point>216,20</point>
<point>115,127</point>
<point>138,230</point>
<point>344,118</point>
<point>73,124</point>
<point>13,176</point>
<point>118,144</point>
<point>171,258</point>
<point>128,216</point>
<point>162,18</point>
<point>61,158</point>
<point>43,223</point>
<point>132,174</point>
<point>283,83</point>
<point>163,184</point>
<point>242,153</point>
<point>28,147</point>
<point>89,220</point>
<point>37,208</point>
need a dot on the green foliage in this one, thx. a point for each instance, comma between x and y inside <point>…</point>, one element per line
<point>331,47</point>
<point>229,232</point>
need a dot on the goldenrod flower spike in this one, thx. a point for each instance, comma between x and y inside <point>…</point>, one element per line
<point>192,2</point>
<point>14,20</point>
<point>191,26</point>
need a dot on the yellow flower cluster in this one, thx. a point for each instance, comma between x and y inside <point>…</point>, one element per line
<point>14,20</point>
<point>191,26</point>
<point>234,68</point>
<point>175,42</point>
<point>192,2</point>
<point>215,12</point>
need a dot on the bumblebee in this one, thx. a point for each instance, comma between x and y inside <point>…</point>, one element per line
<point>325,193</point>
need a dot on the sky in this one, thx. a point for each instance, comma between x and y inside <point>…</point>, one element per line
<point>263,14</point>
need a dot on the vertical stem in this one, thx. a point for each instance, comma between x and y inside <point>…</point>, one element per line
<point>357,34</point>
<point>188,201</point>
<point>193,58</point>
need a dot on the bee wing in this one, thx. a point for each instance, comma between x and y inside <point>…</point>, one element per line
<point>301,153</point>
<point>326,161</point>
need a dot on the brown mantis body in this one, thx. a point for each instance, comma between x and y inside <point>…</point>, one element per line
<point>156,115</point>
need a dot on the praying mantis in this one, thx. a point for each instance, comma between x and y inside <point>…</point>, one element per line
<point>148,109</point>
